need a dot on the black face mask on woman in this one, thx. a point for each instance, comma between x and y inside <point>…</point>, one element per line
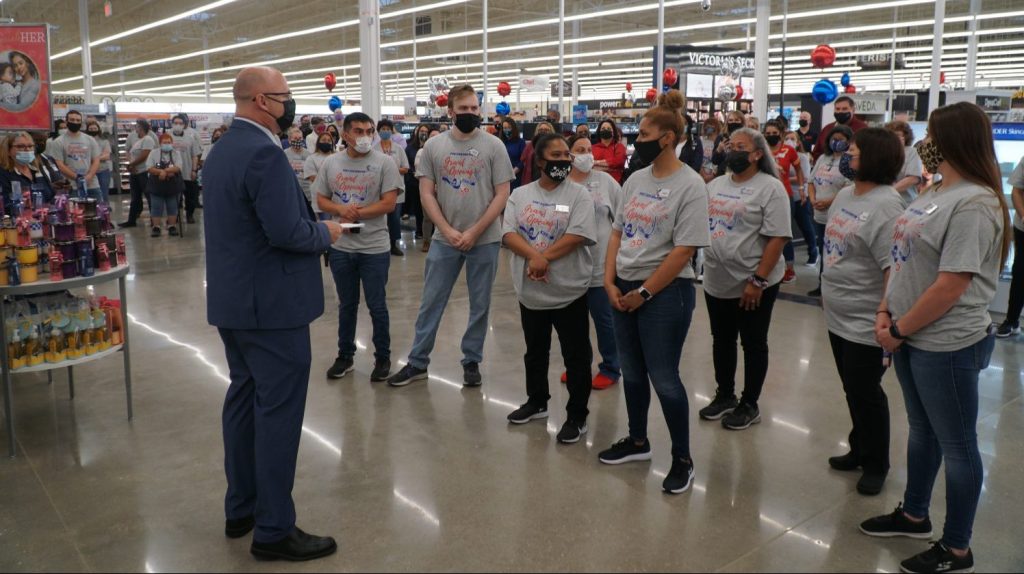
<point>738,161</point>
<point>324,147</point>
<point>558,169</point>
<point>647,151</point>
<point>733,126</point>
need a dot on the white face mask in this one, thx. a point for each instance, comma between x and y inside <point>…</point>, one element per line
<point>583,162</point>
<point>178,130</point>
<point>791,143</point>
<point>363,144</point>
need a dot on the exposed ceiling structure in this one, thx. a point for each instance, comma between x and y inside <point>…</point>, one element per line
<point>157,47</point>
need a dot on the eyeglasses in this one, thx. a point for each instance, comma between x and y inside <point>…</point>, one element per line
<point>287,94</point>
<point>23,147</point>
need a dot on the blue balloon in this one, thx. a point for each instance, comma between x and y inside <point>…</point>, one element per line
<point>846,79</point>
<point>825,91</point>
<point>334,103</point>
<point>503,108</point>
<point>665,88</point>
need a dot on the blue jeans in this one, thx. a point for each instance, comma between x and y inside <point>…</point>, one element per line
<point>804,221</point>
<point>941,394</point>
<point>650,342</point>
<point>161,205</point>
<point>351,269</point>
<point>601,313</point>
<point>104,177</point>
<point>444,264</point>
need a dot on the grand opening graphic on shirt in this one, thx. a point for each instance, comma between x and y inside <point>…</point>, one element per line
<point>641,218</point>
<point>724,212</point>
<point>542,224</point>
<point>908,230</point>
<point>461,171</point>
<point>844,225</point>
<point>351,185</point>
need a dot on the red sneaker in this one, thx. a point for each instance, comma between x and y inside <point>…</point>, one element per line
<point>789,277</point>
<point>565,378</point>
<point>601,382</point>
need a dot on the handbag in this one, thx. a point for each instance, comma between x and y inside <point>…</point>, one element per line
<point>171,187</point>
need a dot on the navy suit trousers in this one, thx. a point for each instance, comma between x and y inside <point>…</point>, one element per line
<point>263,415</point>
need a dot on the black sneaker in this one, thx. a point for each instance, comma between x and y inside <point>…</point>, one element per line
<point>1007,330</point>
<point>172,231</point>
<point>680,477</point>
<point>719,407</point>
<point>897,524</point>
<point>155,232</point>
<point>407,375</point>
<point>340,368</point>
<point>814,292</point>
<point>626,450</point>
<point>871,483</point>
<point>381,370</point>
<point>811,262</point>
<point>396,251</point>
<point>847,462</point>
<point>939,559</point>
<point>191,220</point>
<point>741,418</point>
<point>571,432</point>
<point>471,375</point>
<point>527,413</point>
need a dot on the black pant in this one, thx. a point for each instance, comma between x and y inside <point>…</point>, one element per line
<point>191,197</point>
<point>413,207</point>
<point>728,320</point>
<point>861,369</point>
<point>1017,282</point>
<point>572,324</point>
<point>137,183</point>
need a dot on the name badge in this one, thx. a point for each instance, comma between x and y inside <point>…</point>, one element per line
<point>746,191</point>
<point>371,169</point>
<point>562,208</point>
<point>932,208</point>
<point>474,153</point>
<point>663,193</point>
<point>864,216</point>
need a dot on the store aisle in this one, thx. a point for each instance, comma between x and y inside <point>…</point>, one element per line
<point>432,477</point>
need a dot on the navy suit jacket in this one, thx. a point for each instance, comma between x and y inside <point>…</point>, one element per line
<point>263,244</point>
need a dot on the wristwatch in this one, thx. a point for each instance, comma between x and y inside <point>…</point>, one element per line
<point>894,332</point>
<point>645,293</point>
<point>758,281</point>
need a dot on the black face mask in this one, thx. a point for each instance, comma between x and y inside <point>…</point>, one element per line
<point>647,151</point>
<point>803,123</point>
<point>214,140</point>
<point>738,161</point>
<point>558,169</point>
<point>285,120</point>
<point>733,127</point>
<point>466,123</point>
<point>773,140</point>
<point>94,134</point>
<point>324,147</point>
<point>424,137</point>
<point>73,128</point>
<point>843,117</point>
<point>605,134</point>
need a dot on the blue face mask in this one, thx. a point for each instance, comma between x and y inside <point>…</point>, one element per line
<point>25,157</point>
<point>166,148</point>
<point>839,145</point>
<point>845,169</point>
<point>385,136</point>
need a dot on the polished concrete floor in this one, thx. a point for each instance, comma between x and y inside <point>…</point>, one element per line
<point>431,476</point>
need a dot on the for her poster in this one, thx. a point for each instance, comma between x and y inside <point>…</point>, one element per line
<point>24,77</point>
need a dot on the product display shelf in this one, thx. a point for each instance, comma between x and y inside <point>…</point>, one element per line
<point>119,274</point>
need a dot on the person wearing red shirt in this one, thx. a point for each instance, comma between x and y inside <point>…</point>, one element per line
<point>845,114</point>
<point>609,153</point>
<point>788,161</point>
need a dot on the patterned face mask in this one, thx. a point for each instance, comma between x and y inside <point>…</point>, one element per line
<point>846,169</point>
<point>931,157</point>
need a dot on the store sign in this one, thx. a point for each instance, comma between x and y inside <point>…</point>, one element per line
<point>1013,132</point>
<point>880,62</point>
<point>871,105</point>
<point>567,89</point>
<point>534,83</point>
<point>579,114</point>
<point>25,100</point>
<point>708,69</point>
<point>993,103</point>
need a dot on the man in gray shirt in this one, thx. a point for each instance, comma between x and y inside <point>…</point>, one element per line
<point>464,179</point>
<point>188,144</point>
<point>360,186</point>
<point>78,156</point>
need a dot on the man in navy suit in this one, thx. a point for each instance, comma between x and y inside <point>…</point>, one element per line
<point>264,288</point>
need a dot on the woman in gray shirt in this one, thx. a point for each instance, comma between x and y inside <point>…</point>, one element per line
<point>856,259</point>
<point>949,246</point>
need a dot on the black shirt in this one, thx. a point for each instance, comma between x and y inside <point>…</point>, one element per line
<point>807,140</point>
<point>39,178</point>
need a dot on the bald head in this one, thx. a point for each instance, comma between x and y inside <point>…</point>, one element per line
<point>258,80</point>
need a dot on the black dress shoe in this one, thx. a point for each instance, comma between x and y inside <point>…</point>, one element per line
<point>296,547</point>
<point>239,528</point>
<point>847,462</point>
<point>871,483</point>
<point>127,224</point>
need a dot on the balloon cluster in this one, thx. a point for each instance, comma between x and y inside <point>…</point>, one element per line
<point>503,108</point>
<point>504,89</point>
<point>825,90</point>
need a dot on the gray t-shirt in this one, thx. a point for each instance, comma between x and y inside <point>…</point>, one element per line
<point>827,182</point>
<point>297,159</point>
<point>955,229</point>
<point>743,217</point>
<point>858,243</point>
<point>77,152</point>
<point>310,169</point>
<point>1017,180</point>
<point>606,195</point>
<point>137,145</point>
<point>657,215</point>
<point>397,155</point>
<point>360,181</point>
<point>107,164</point>
<point>158,156</point>
<point>189,148</point>
<point>465,174</point>
<point>543,217</point>
<point>912,165</point>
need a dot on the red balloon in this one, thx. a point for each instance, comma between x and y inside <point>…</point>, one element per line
<point>629,86</point>
<point>942,77</point>
<point>652,95</point>
<point>670,77</point>
<point>851,89</point>
<point>739,92</point>
<point>330,80</point>
<point>442,100</point>
<point>823,56</point>
<point>504,89</point>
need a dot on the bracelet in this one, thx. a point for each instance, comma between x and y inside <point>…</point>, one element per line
<point>758,282</point>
